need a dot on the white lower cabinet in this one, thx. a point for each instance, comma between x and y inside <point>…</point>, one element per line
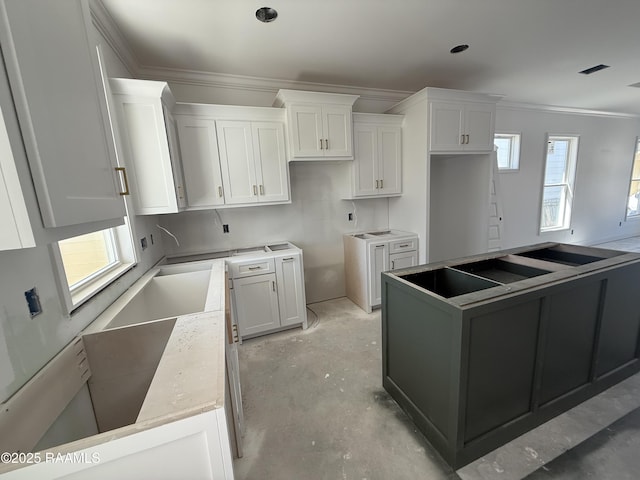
<point>256,302</point>
<point>268,293</point>
<point>367,255</point>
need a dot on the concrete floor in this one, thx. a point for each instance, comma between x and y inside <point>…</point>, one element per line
<point>315,409</point>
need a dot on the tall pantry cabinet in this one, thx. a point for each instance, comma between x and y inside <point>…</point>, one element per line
<point>447,145</point>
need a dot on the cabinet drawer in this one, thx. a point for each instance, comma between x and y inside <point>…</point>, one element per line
<point>251,267</point>
<point>405,245</point>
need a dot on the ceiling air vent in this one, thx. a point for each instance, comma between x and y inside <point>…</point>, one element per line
<point>635,85</point>
<point>594,69</point>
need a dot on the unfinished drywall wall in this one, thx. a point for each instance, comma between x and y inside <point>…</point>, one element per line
<point>315,221</point>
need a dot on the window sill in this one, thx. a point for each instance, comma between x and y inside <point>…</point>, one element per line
<point>82,295</point>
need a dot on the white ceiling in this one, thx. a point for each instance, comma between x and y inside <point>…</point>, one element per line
<point>528,50</point>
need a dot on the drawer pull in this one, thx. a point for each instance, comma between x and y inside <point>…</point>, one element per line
<point>288,259</point>
<point>404,245</point>
<point>255,268</point>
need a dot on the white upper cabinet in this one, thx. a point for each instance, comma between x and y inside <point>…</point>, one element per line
<point>232,156</point>
<point>200,162</point>
<point>150,145</point>
<point>252,157</point>
<point>461,126</point>
<point>16,229</point>
<point>319,125</point>
<point>377,165</point>
<point>55,78</point>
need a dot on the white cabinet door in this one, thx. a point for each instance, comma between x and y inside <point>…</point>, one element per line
<point>446,126</point>
<point>52,64</point>
<point>200,161</point>
<point>291,298</point>
<point>378,263</point>
<point>271,162</point>
<point>145,144</point>
<point>479,126</point>
<point>336,121</point>
<point>306,131</point>
<point>365,163</point>
<point>256,304</point>
<point>390,160</point>
<point>403,260</point>
<point>237,161</point>
<point>16,229</point>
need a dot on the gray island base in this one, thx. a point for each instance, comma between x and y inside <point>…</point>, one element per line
<point>480,350</point>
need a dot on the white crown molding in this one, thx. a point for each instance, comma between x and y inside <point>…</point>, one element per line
<point>107,27</point>
<point>261,84</point>
<point>559,109</point>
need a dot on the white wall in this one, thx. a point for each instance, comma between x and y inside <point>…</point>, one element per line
<point>27,344</point>
<point>605,153</point>
<point>315,221</point>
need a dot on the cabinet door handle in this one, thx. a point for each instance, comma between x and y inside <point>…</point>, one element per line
<point>462,139</point>
<point>377,184</point>
<point>123,172</point>
<point>321,147</point>
<point>261,189</point>
<point>393,264</point>
<point>220,194</point>
<point>255,190</point>
<point>326,144</point>
<point>273,285</point>
<point>467,142</point>
<point>381,183</point>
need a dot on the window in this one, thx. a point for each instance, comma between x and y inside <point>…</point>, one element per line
<point>633,202</point>
<point>559,177</point>
<point>87,257</point>
<point>88,263</point>
<point>508,150</point>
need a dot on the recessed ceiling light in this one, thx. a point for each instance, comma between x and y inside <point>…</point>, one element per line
<point>459,48</point>
<point>266,14</point>
<point>595,68</point>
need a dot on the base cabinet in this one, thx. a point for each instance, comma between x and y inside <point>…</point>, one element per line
<point>268,293</point>
<point>479,351</point>
<point>367,255</point>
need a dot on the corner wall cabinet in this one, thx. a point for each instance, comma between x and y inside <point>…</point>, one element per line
<point>233,156</point>
<point>482,349</point>
<point>377,164</point>
<point>148,133</point>
<point>319,125</point>
<point>52,64</point>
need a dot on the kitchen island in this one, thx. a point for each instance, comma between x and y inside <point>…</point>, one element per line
<point>159,388</point>
<point>481,349</point>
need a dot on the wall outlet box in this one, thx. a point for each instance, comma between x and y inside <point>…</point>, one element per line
<point>33,301</point>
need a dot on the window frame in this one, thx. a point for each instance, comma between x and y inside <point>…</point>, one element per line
<point>81,292</point>
<point>636,156</point>
<point>568,182</point>
<point>514,150</point>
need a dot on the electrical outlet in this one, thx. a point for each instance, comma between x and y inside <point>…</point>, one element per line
<point>225,228</point>
<point>33,301</point>
<point>350,216</point>
<point>143,243</point>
